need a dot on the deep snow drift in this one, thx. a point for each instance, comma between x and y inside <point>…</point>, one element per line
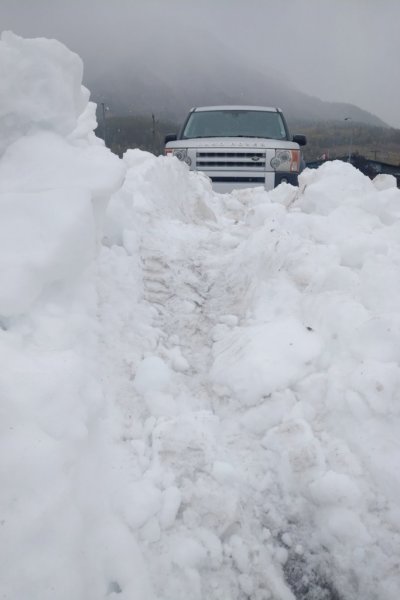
<point>200,392</point>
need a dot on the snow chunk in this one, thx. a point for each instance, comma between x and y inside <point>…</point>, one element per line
<point>152,375</point>
<point>256,360</point>
<point>47,161</point>
<point>385,182</point>
<point>335,488</point>
<point>40,88</point>
<point>172,499</point>
<point>44,238</point>
<point>335,183</point>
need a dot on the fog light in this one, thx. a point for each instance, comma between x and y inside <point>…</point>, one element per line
<point>180,154</point>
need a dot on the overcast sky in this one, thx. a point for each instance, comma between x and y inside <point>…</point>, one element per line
<point>338,50</point>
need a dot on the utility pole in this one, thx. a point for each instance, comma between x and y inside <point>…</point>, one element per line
<point>103,112</point>
<point>351,138</point>
<point>153,133</point>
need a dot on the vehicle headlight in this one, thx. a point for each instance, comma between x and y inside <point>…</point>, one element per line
<point>180,153</point>
<point>286,160</point>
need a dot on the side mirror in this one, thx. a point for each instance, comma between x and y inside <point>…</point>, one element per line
<point>301,140</point>
<point>170,137</point>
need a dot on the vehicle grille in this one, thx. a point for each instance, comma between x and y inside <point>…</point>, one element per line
<point>231,160</point>
<point>238,179</point>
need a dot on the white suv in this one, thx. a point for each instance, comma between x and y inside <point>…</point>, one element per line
<point>238,146</point>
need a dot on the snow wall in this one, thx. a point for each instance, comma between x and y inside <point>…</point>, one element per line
<point>199,392</point>
<point>58,535</point>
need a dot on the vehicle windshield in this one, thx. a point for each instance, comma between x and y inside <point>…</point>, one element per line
<point>235,123</point>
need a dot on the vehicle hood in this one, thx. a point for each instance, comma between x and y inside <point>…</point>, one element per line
<point>223,142</point>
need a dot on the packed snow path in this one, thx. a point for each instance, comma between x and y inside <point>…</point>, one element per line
<point>210,513</point>
<point>200,392</point>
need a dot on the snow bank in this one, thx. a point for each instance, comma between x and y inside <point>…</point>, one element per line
<point>315,353</point>
<point>57,537</point>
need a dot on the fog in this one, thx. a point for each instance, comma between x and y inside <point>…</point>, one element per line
<point>337,50</point>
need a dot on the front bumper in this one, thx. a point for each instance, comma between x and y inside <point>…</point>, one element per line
<point>226,182</point>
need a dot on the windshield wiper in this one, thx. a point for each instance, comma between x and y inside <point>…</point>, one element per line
<point>260,137</point>
<point>240,135</point>
<point>197,137</point>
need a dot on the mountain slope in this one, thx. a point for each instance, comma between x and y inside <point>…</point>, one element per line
<point>169,81</point>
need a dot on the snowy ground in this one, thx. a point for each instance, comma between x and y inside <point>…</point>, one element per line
<point>200,392</point>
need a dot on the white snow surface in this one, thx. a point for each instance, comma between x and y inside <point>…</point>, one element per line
<point>199,392</point>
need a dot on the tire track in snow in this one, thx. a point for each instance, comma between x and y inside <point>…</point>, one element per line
<point>183,289</point>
